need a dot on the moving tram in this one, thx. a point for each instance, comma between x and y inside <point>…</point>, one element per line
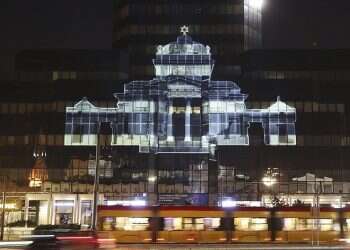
<point>190,224</point>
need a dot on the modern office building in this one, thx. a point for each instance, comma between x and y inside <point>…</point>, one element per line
<point>55,65</point>
<point>228,26</point>
<point>34,157</point>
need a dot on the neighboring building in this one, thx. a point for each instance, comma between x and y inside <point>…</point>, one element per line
<point>50,65</point>
<point>316,83</point>
<point>32,114</point>
<point>228,26</point>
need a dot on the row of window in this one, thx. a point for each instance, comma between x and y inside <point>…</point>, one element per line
<point>222,49</point>
<point>58,106</point>
<point>128,189</point>
<point>194,187</point>
<point>31,76</point>
<point>218,29</point>
<point>194,29</point>
<point>209,224</point>
<point>228,8</point>
<point>146,71</point>
<point>116,188</point>
<point>329,75</point>
<point>23,108</point>
<point>303,106</point>
<point>58,140</point>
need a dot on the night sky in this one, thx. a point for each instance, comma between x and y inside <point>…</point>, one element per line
<point>88,24</point>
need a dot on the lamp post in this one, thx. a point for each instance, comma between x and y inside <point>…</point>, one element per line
<point>4,179</point>
<point>96,179</point>
<point>316,213</point>
<point>269,180</point>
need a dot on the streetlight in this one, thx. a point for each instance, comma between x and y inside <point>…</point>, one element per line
<point>316,213</point>
<point>269,181</point>
<point>257,4</point>
<point>4,182</point>
<point>270,177</point>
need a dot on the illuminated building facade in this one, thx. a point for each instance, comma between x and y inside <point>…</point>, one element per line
<point>181,112</point>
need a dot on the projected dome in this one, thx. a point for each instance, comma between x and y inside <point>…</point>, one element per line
<point>184,58</point>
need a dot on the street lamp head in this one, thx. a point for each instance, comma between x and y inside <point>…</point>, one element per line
<point>269,181</point>
<point>227,203</point>
<point>152,178</point>
<point>257,4</point>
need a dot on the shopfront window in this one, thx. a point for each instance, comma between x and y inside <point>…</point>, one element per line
<point>33,213</point>
<point>250,224</point>
<point>64,212</point>
<point>86,213</point>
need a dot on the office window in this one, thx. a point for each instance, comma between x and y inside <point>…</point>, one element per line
<point>64,75</point>
<point>341,108</point>
<point>77,133</point>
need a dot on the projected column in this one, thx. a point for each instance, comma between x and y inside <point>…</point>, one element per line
<point>170,136</point>
<point>188,121</point>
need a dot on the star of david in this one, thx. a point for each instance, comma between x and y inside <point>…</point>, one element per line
<point>184,30</point>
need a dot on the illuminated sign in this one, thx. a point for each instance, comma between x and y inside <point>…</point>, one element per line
<point>181,110</point>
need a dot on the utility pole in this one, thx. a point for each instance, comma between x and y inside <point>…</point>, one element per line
<point>316,215</point>
<point>97,179</point>
<point>3,208</point>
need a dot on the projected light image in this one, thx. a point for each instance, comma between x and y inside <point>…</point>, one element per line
<point>182,109</point>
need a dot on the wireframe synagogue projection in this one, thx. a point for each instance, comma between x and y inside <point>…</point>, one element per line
<point>181,110</point>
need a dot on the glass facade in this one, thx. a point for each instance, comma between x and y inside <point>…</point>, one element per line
<point>314,82</point>
<point>229,26</point>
